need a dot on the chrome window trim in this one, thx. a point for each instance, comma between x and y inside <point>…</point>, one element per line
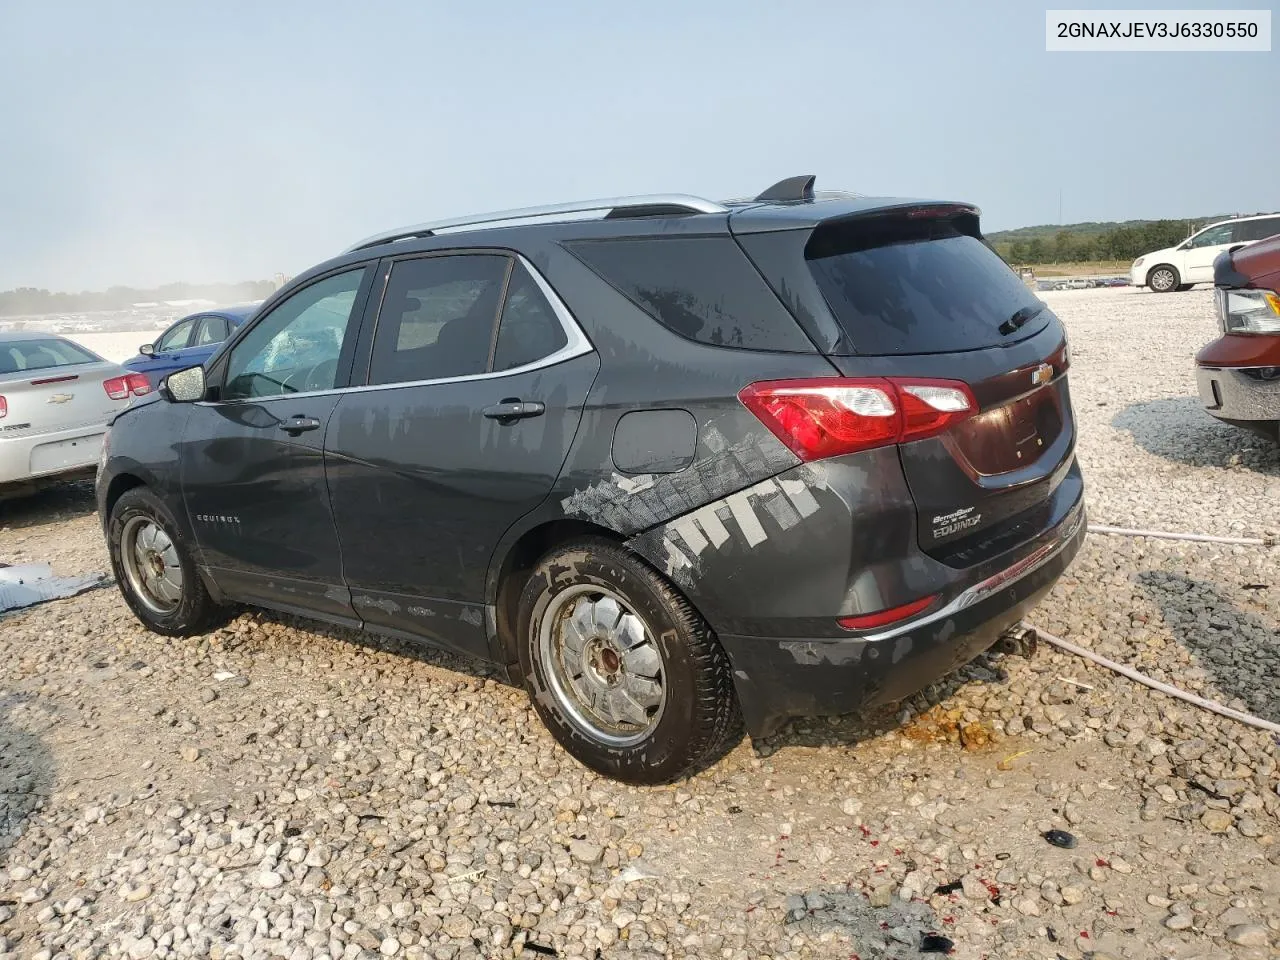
<point>577,345</point>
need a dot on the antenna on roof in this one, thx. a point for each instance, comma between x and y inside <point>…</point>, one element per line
<point>793,188</point>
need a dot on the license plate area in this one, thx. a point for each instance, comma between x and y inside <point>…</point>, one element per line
<point>1012,436</point>
<point>60,454</point>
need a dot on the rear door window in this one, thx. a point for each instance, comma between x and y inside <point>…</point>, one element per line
<point>212,330</point>
<point>902,286</point>
<point>702,288</point>
<point>529,329</point>
<point>437,318</point>
<point>1260,229</point>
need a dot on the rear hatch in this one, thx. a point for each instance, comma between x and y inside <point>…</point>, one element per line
<point>917,293</point>
<point>50,384</point>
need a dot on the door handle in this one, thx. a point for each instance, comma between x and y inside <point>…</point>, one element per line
<point>296,425</point>
<point>513,409</point>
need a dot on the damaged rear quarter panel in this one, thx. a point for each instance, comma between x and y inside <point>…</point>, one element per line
<point>791,553</point>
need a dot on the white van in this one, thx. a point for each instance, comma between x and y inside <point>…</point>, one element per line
<point>1191,262</point>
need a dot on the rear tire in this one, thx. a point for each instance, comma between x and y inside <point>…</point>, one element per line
<point>1163,279</point>
<point>154,567</point>
<point>622,670</point>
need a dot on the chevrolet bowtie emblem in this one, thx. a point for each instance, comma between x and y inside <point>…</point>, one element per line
<point>1042,374</point>
<point>61,397</point>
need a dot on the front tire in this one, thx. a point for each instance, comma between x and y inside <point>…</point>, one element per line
<point>622,670</point>
<point>1163,279</point>
<point>154,568</point>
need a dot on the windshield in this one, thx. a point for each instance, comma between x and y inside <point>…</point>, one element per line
<point>20,355</point>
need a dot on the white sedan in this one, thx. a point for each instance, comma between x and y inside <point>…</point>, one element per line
<point>55,400</point>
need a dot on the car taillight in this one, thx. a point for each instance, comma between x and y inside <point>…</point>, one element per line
<point>882,618</point>
<point>829,416</point>
<point>120,387</point>
<point>4,408</point>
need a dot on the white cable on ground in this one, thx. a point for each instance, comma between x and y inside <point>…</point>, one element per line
<point>1155,684</point>
<point>1198,537</point>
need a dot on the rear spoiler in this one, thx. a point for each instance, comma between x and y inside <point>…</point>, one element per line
<point>808,216</point>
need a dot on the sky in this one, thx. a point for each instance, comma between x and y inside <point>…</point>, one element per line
<point>149,142</point>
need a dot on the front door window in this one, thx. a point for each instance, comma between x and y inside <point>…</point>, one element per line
<point>295,348</point>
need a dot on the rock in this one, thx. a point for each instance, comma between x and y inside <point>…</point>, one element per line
<point>1027,907</point>
<point>1216,821</point>
<point>796,907</point>
<point>134,894</point>
<point>586,851</point>
<point>389,947</point>
<point>1247,935</point>
<point>190,754</point>
<point>1071,895</point>
<point>1178,921</point>
<point>458,926</point>
<point>318,856</point>
<point>881,895</point>
<point>269,880</point>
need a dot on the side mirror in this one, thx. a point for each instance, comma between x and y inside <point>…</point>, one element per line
<point>184,386</point>
<point>147,350</point>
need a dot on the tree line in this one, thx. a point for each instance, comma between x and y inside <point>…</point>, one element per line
<point>1120,243</point>
<point>27,301</point>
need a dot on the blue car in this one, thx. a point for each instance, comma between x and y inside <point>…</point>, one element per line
<point>190,341</point>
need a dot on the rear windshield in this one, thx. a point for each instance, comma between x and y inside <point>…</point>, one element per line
<point>19,355</point>
<point>903,286</point>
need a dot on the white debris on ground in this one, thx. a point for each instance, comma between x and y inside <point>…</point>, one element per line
<point>279,789</point>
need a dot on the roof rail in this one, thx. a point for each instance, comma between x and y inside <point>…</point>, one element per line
<point>663,204</point>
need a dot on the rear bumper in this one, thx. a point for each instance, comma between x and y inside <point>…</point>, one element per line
<point>50,454</point>
<point>1233,395</point>
<point>778,678</point>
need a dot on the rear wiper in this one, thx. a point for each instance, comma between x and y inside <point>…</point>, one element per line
<point>1020,318</point>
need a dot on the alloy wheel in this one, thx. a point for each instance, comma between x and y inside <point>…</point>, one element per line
<point>602,664</point>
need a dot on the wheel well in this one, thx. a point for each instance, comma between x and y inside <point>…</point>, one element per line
<point>119,486</point>
<point>519,563</point>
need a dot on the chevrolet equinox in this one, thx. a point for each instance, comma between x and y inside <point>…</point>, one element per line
<point>676,466</point>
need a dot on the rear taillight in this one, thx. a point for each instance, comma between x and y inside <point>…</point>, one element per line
<point>830,416</point>
<point>4,408</point>
<point>120,387</point>
<point>882,618</point>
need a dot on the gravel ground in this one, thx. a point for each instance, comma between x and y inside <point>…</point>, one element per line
<point>278,789</point>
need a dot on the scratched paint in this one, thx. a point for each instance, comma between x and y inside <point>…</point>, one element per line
<point>630,505</point>
<point>748,516</point>
<point>389,607</point>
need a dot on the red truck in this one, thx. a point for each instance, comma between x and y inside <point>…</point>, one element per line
<point>1239,373</point>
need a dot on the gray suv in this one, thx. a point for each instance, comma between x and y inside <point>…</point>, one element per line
<point>674,465</point>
